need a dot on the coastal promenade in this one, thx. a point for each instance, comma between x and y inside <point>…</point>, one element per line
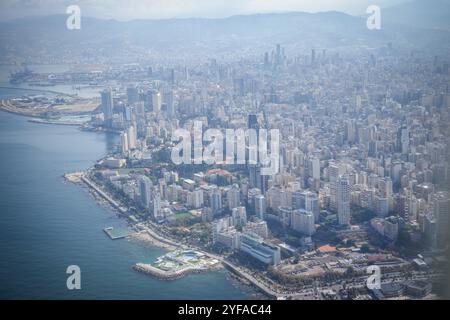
<point>261,286</point>
<point>114,203</point>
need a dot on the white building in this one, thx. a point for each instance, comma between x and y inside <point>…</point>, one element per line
<point>156,101</point>
<point>303,222</point>
<point>132,138</point>
<point>124,142</point>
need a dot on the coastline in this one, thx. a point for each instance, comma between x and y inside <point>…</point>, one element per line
<point>148,236</point>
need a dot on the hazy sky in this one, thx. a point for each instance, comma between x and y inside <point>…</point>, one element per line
<point>160,9</point>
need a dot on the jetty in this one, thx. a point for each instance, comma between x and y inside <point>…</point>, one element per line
<point>109,232</point>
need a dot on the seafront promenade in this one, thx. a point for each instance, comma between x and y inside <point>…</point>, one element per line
<point>102,193</point>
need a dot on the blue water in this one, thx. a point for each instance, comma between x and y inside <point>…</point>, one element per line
<point>47,224</point>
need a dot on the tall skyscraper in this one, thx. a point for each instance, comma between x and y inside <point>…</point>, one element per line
<point>234,197</point>
<point>132,138</point>
<point>169,99</point>
<point>260,206</point>
<point>157,101</point>
<point>343,200</point>
<point>256,179</point>
<point>145,188</point>
<point>334,171</point>
<point>315,168</point>
<point>148,100</point>
<point>157,214</point>
<point>107,106</point>
<point>441,212</point>
<point>278,54</point>
<point>215,201</point>
<point>124,142</point>
<point>403,136</point>
<point>132,95</point>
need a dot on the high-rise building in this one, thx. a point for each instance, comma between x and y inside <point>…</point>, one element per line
<point>441,213</point>
<point>343,200</point>
<point>315,168</point>
<point>239,216</point>
<point>256,179</point>
<point>306,200</point>
<point>303,222</point>
<point>260,206</point>
<point>128,113</point>
<point>215,201</point>
<point>124,142</point>
<point>195,198</point>
<point>107,106</point>
<point>312,205</point>
<point>156,101</point>
<point>132,138</point>
<point>132,95</point>
<point>169,99</point>
<point>145,188</point>
<point>382,206</point>
<point>334,170</point>
<point>403,137</point>
<point>234,197</point>
<point>157,213</point>
<point>278,54</point>
<point>148,99</point>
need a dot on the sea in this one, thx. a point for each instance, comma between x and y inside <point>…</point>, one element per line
<point>48,224</point>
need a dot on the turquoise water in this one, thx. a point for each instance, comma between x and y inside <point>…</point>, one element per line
<point>47,224</point>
